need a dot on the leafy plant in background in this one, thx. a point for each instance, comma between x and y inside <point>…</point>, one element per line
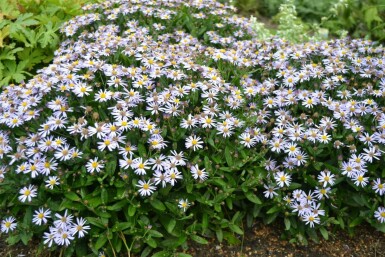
<point>335,18</point>
<point>29,35</point>
<point>160,122</point>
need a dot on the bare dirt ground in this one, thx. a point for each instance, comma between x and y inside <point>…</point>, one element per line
<point>261,240</point>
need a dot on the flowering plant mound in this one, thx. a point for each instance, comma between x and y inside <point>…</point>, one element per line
<point>160,121</point>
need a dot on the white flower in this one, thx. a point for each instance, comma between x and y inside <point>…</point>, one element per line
<point>146,188</point>
<point>41,216</point>
<point>194,142</point>
<point>270,191</point>
<point>183,204</point>
<point>8,224</point>
<point>79,227</point>
<point>94,165</point>
<point>27,193</point>
<point>282,178</point>
<point>52,181</point>
<point>380,214</point>
<point>198,173</point>
<point>326,178</point>
<point>311,219</point>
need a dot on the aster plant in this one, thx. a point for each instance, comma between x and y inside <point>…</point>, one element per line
<point>163,121</point>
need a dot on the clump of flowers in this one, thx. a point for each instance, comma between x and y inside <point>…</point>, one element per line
<point>157,117</point>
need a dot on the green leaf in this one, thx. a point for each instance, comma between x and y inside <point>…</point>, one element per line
<point>48,35</point>
<point>170,225</point>
<point>95,221</point>
<point>8,52</point>
<point>236,229</point>
<point>142,150</point>
<point>287,224</point>
<point>72,196</point>
<point>102,239</point>
<point>253,198</point>
<point>155,233</point>
<point>117,206</point>
<point>161,254</point>
<point>230,238</point>
<point>151,242</point>
<point>157,205</point>
<point>199,239</point>
<point>146,251</point>
<point>219,234</point>
<point>183,255</point>
<point>356,222</point>
<point>324,233</point>
<point>228,157</point>
<point>131,210</point>
<point>273,209</point>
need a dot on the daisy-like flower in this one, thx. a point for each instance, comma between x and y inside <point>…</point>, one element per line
<point>63,237</point>
<point>282,178</point>
<point>311,219</point>
<point>79,227</point>
<point>183,204</point>
<point>320,193</point>
<point>27,193</point>
<point>94,165</point>
<point>247,140</point>
<point>378,186</point>
<point>380,214</point>
<point>325,177</point>
<point>146,188</point>
<point>359,179</point>
<point>292,149</point>
<point>194,142</point>
<point>324,138</point>
<point>172,176</point>
<point>140,166</point>
<point>8,224</point>
<point>198,173</point>
<point>64,221</point>
<point>270,191</point>
<point>52,181</point>
<point>41,216</point>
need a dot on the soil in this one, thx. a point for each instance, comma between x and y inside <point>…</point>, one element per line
<point>262,240</point>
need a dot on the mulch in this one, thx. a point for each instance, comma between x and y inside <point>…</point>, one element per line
<point>260,240</point>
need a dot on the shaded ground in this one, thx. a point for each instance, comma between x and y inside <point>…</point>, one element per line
<point>262,240</point>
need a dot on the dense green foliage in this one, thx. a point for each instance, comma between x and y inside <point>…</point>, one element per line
<point>29,35</point>
<point>356,18</point>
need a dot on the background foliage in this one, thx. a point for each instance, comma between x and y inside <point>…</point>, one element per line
<point>356,18</point>
<point>29,34</point>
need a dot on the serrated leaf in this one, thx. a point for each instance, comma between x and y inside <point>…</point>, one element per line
<point>47,35</point>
